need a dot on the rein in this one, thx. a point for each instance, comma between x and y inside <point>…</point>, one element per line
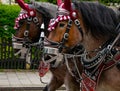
<point>75,55</point>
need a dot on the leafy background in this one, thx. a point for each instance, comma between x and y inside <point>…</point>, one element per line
<point>8,13</point>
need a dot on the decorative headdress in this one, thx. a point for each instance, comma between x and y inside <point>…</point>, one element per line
<point>65,12</point>
<point>27,12</point>
<point>31,12</point>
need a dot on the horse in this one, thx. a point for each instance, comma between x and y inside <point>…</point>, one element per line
<point>60,74</point>
<point>26,23</point>
<point>97,28</point>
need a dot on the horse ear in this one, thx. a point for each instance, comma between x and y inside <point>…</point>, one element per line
<point>59,2</point>
<point>67,4</point>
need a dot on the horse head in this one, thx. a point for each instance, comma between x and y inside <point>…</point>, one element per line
<point>66,29</point>
<point>78,19</point>
<point>32,22</point>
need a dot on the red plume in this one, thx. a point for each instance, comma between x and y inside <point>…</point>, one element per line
<point>67,4</point>
<point>59,2</point>
<point>23,5</point>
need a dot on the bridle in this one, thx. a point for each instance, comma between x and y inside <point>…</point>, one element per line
<point>66,34</point>
<point>25,44</point>
<point>61,45</point>
<point>26,41</point>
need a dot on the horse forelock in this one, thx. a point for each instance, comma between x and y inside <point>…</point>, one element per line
<point>99,19</point>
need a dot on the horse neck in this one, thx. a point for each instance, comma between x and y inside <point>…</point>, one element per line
<point>91,44</point>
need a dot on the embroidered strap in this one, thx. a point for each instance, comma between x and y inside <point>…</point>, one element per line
<point>53,22</point>
<point>20,17</point>
<point>43,68</point>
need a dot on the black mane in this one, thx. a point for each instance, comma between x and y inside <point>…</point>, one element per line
<point>99,19</point>
<point>48,11</point>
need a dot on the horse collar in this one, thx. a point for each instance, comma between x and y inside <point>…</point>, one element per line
<point>104,59</point>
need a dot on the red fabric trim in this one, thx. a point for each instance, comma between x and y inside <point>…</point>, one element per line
<point>31,12</point>
<point>23,5</point>
<point>88,81</point>
<point>43,68</point>
<point>112,62</point>
<point>88,84</point>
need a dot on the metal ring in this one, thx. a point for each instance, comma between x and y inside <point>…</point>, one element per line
<point>66,35</point>
<point>26,33</point>
<point>35,19</point>
<point>77,22</point>
<point>29,19</point>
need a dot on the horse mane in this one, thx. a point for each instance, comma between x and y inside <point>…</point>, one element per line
<point>48,9</point>
<point>98,19</point>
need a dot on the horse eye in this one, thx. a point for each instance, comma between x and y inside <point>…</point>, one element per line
<point>21,22</point>
<point>61,25</point>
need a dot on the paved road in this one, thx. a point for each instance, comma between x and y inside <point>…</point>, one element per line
<point>23,81</point>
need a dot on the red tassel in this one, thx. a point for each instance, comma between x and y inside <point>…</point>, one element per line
<point>31,12</point>
<point>23,5</point>
<point>59,2</point>
<point>67,4</point>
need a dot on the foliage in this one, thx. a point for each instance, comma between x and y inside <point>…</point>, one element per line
<point>101,1</point>
<point>8,13</point>
<point>109,1</point>
<point>106,2</point>
<point>51,1</point>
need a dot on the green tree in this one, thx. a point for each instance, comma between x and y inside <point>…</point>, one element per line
<point>8,13</point>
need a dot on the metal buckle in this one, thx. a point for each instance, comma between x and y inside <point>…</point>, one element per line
<point>77,22</point>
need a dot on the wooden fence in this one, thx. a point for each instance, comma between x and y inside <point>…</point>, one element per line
<point>9,61</point>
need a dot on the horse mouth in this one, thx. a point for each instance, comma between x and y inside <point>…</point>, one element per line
<point>48,56</point>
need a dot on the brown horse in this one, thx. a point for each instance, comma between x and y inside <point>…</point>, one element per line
<point>97,28</point>
<point>60,74</point>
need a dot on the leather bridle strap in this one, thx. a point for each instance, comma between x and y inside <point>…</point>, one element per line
<point>77,23</point>
<point>26,33</point>
<point>66,35</point>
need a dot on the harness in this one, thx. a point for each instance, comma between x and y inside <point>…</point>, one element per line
<point>107,57</point>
